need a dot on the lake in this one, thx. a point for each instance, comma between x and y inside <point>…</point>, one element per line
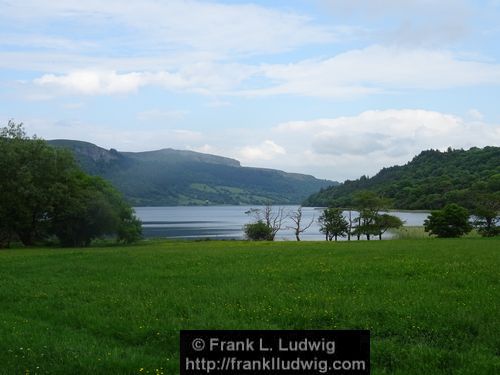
<point>226,222</point>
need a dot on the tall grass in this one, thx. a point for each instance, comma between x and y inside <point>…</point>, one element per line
<point>410,233</point>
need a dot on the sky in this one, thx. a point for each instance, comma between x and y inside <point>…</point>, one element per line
<point>332,88</point>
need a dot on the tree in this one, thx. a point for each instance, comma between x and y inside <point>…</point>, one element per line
<point>130,227</point>
<point>298,227</point>
<point>385,222</point>
<point>451,221</point>
<point>484,202</point>
<point>271,217</point>
<point>333,224</point>
<point>368,205</point>
<point>92,209</point>
<point>258,231</point>
<point>44,193</point>
<point>486,210</point>
<point>32,175</point>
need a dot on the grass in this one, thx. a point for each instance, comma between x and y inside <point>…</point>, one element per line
<point>432,305</point>
<point>410,233</point>
<point>418,232</point>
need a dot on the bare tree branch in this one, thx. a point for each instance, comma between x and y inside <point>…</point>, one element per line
<point>272,218</point>
<point>296,217</point>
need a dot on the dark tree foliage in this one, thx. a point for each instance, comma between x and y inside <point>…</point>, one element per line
<point>333,224</point>
<point>44,193</point>
<point>384,222</point>
<point>258,231</point>
<point>451,221</point>
<point>430,181</point>
<point>93,208</point>
<point>369,206</point>
<point>484,204</point>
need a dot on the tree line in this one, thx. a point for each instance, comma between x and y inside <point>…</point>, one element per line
<point>368,218</point>
<point>46,196</point>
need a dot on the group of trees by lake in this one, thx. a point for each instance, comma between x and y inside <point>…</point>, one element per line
<point>46,196</point>
<point>369,217</point>
<point>462,187</point>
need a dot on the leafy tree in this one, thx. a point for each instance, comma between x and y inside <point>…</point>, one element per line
<point>333,224</point>
<point>484,202</point>
<point>44,193</point>
<point>365,224</point>
<point>368,205</point>
<point>385,222</point>
<point>451,221</point>
<point>130,227</point>
<point>92,209</point>
<point>258,231</point>
<point>32,175</point>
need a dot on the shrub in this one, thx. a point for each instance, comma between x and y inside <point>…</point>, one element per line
<point>451,221</point>
<point>258,231</point>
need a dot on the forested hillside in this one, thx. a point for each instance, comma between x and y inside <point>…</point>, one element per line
<point>431,180</point>
<point>173,177</point>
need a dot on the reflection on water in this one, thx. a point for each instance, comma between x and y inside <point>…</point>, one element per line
<point>226,222</point>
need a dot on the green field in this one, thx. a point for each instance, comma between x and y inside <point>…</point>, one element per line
<point>432,305</point>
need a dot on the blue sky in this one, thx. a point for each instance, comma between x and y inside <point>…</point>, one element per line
<point>333,88</point>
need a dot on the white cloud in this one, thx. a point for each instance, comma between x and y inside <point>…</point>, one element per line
<point>355,73</point>
<point>219,27</point>
<point>363,144</point>
<point>377,69</point>
<point>92,83</point>
<point>267,150</point>
<point>205,149</point>
<point>202,78</point>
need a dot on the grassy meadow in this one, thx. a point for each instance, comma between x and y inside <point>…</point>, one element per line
<point>432,305</point>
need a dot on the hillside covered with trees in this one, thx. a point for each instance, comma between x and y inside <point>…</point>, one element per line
<point>171,177</point>
<point>431,180</point>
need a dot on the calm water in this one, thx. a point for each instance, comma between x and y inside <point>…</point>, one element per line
<point>226,222</point>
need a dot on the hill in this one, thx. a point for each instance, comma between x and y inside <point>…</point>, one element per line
<point>170,177</point>
<point>429,181</point>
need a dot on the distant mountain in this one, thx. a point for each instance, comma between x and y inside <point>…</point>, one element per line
<point>430,181</point>
<point>174,177</point>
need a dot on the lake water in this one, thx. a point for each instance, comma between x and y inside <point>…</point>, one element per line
<point>226,222</point>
